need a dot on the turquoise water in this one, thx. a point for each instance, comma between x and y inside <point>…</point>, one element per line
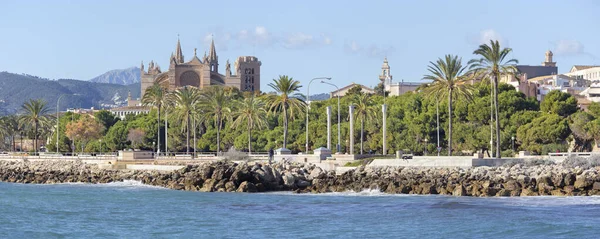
<point>132,210</point>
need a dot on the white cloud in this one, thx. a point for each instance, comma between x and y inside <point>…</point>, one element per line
<point>372,50</point>
<point>298,40</point>
<point>262,37</point>
<point>352,47</point>
<point>488,35</point>
<point>326,39</point>
<point>569,47</point>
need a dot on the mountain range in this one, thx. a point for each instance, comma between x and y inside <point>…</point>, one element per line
<point>15,89</point>
<point>121,76</point>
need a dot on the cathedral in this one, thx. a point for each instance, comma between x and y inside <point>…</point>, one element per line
<point>204,72</point>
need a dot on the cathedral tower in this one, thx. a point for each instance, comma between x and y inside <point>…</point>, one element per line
<point>213,59</point>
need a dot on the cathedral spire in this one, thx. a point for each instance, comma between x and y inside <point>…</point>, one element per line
<point>212,55</point>
<point>178,52</point>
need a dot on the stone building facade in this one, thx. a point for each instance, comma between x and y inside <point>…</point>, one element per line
<point>204,72</point>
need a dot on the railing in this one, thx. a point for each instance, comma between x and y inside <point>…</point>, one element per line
<point>66,155</point>
<point>572,154</point>
<point>114,155</point>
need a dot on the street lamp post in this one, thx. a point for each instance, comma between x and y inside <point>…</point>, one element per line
<point>425,147</point>
<point>339,129</point>
<point>57,120</point>
<point>512,140</point>
<point>307,104</point>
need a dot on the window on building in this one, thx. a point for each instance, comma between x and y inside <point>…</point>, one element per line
<point>252,70</point>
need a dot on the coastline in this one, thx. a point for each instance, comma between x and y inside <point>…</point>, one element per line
<point>225,176</point>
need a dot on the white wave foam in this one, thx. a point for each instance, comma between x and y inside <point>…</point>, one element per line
<point>547,201</point>
<point>123,184</point>
<point>350,193</point>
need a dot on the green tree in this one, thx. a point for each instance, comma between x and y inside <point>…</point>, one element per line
<point>448,81</point>
<point>9,128</point>
<point>215,101</point>
<point>560,103</point>
<point>250,112</point>
<point>84,130</point>
<point>594,109</point>
<point>365,111</point>
<point>492,63</point>
<point>106,118</point>
<point>36,113</point>
<point>287,101</point>
<point>185,100</point>
<point>579,123</point>
<point>544,130</point>
<point>156,95</point>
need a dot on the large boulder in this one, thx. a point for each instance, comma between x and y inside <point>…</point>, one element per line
<point>246,187</point>
<point>459,191</point>
<point>289,180</point>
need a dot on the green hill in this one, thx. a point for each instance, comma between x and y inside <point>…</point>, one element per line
<point>18,88</point>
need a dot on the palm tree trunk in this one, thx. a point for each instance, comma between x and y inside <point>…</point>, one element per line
<point>35,137</point>
<point>249,139</point>
<point>218,133</point>
<point>450,122</point>
<point>362,131</point>
<point>285,127</point>
<point>187,141</point>
<point>158,132</point>
<point>495,78</point>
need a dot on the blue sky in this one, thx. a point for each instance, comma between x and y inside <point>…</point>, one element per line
<point>346,40</point>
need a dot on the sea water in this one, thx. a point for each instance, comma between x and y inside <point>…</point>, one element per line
<point>133,210</point>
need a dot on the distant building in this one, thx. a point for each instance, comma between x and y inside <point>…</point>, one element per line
<point>590,73</point>
<point>344,90</point>
<point>546,70</point>
<point>133,107</point>
<point>564,83</point>
<point>203,72</point>
<point>395,89</point>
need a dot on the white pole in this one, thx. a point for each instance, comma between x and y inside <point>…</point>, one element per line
<point>308,106</point>
<point>351,112</point>
<point>166,134</point>
<point>384,111</point>
<point>329,127</point>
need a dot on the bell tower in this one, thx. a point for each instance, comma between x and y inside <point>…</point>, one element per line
<point>548,61</point>
<point>386,75</point>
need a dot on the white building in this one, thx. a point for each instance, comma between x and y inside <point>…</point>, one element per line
<point>590,73</point>
<point>561,82</point>
<point>395,89</point>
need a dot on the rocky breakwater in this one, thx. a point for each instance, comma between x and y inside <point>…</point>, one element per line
<point>219,176</point>
<point>223,176</point>
<point>516,180</point>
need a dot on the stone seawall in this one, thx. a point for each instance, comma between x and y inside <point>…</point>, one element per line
<point>222,176</point>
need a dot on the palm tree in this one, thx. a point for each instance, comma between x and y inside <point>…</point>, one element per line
<point>287,101</point>
<point>493,63</point>
<point>185,100</point>
<point>363,110</point>
<point>448,80</point>
<point>251,111</point>
<point>215,102</point>
<point>36,114</point>
<point>156,95</point>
